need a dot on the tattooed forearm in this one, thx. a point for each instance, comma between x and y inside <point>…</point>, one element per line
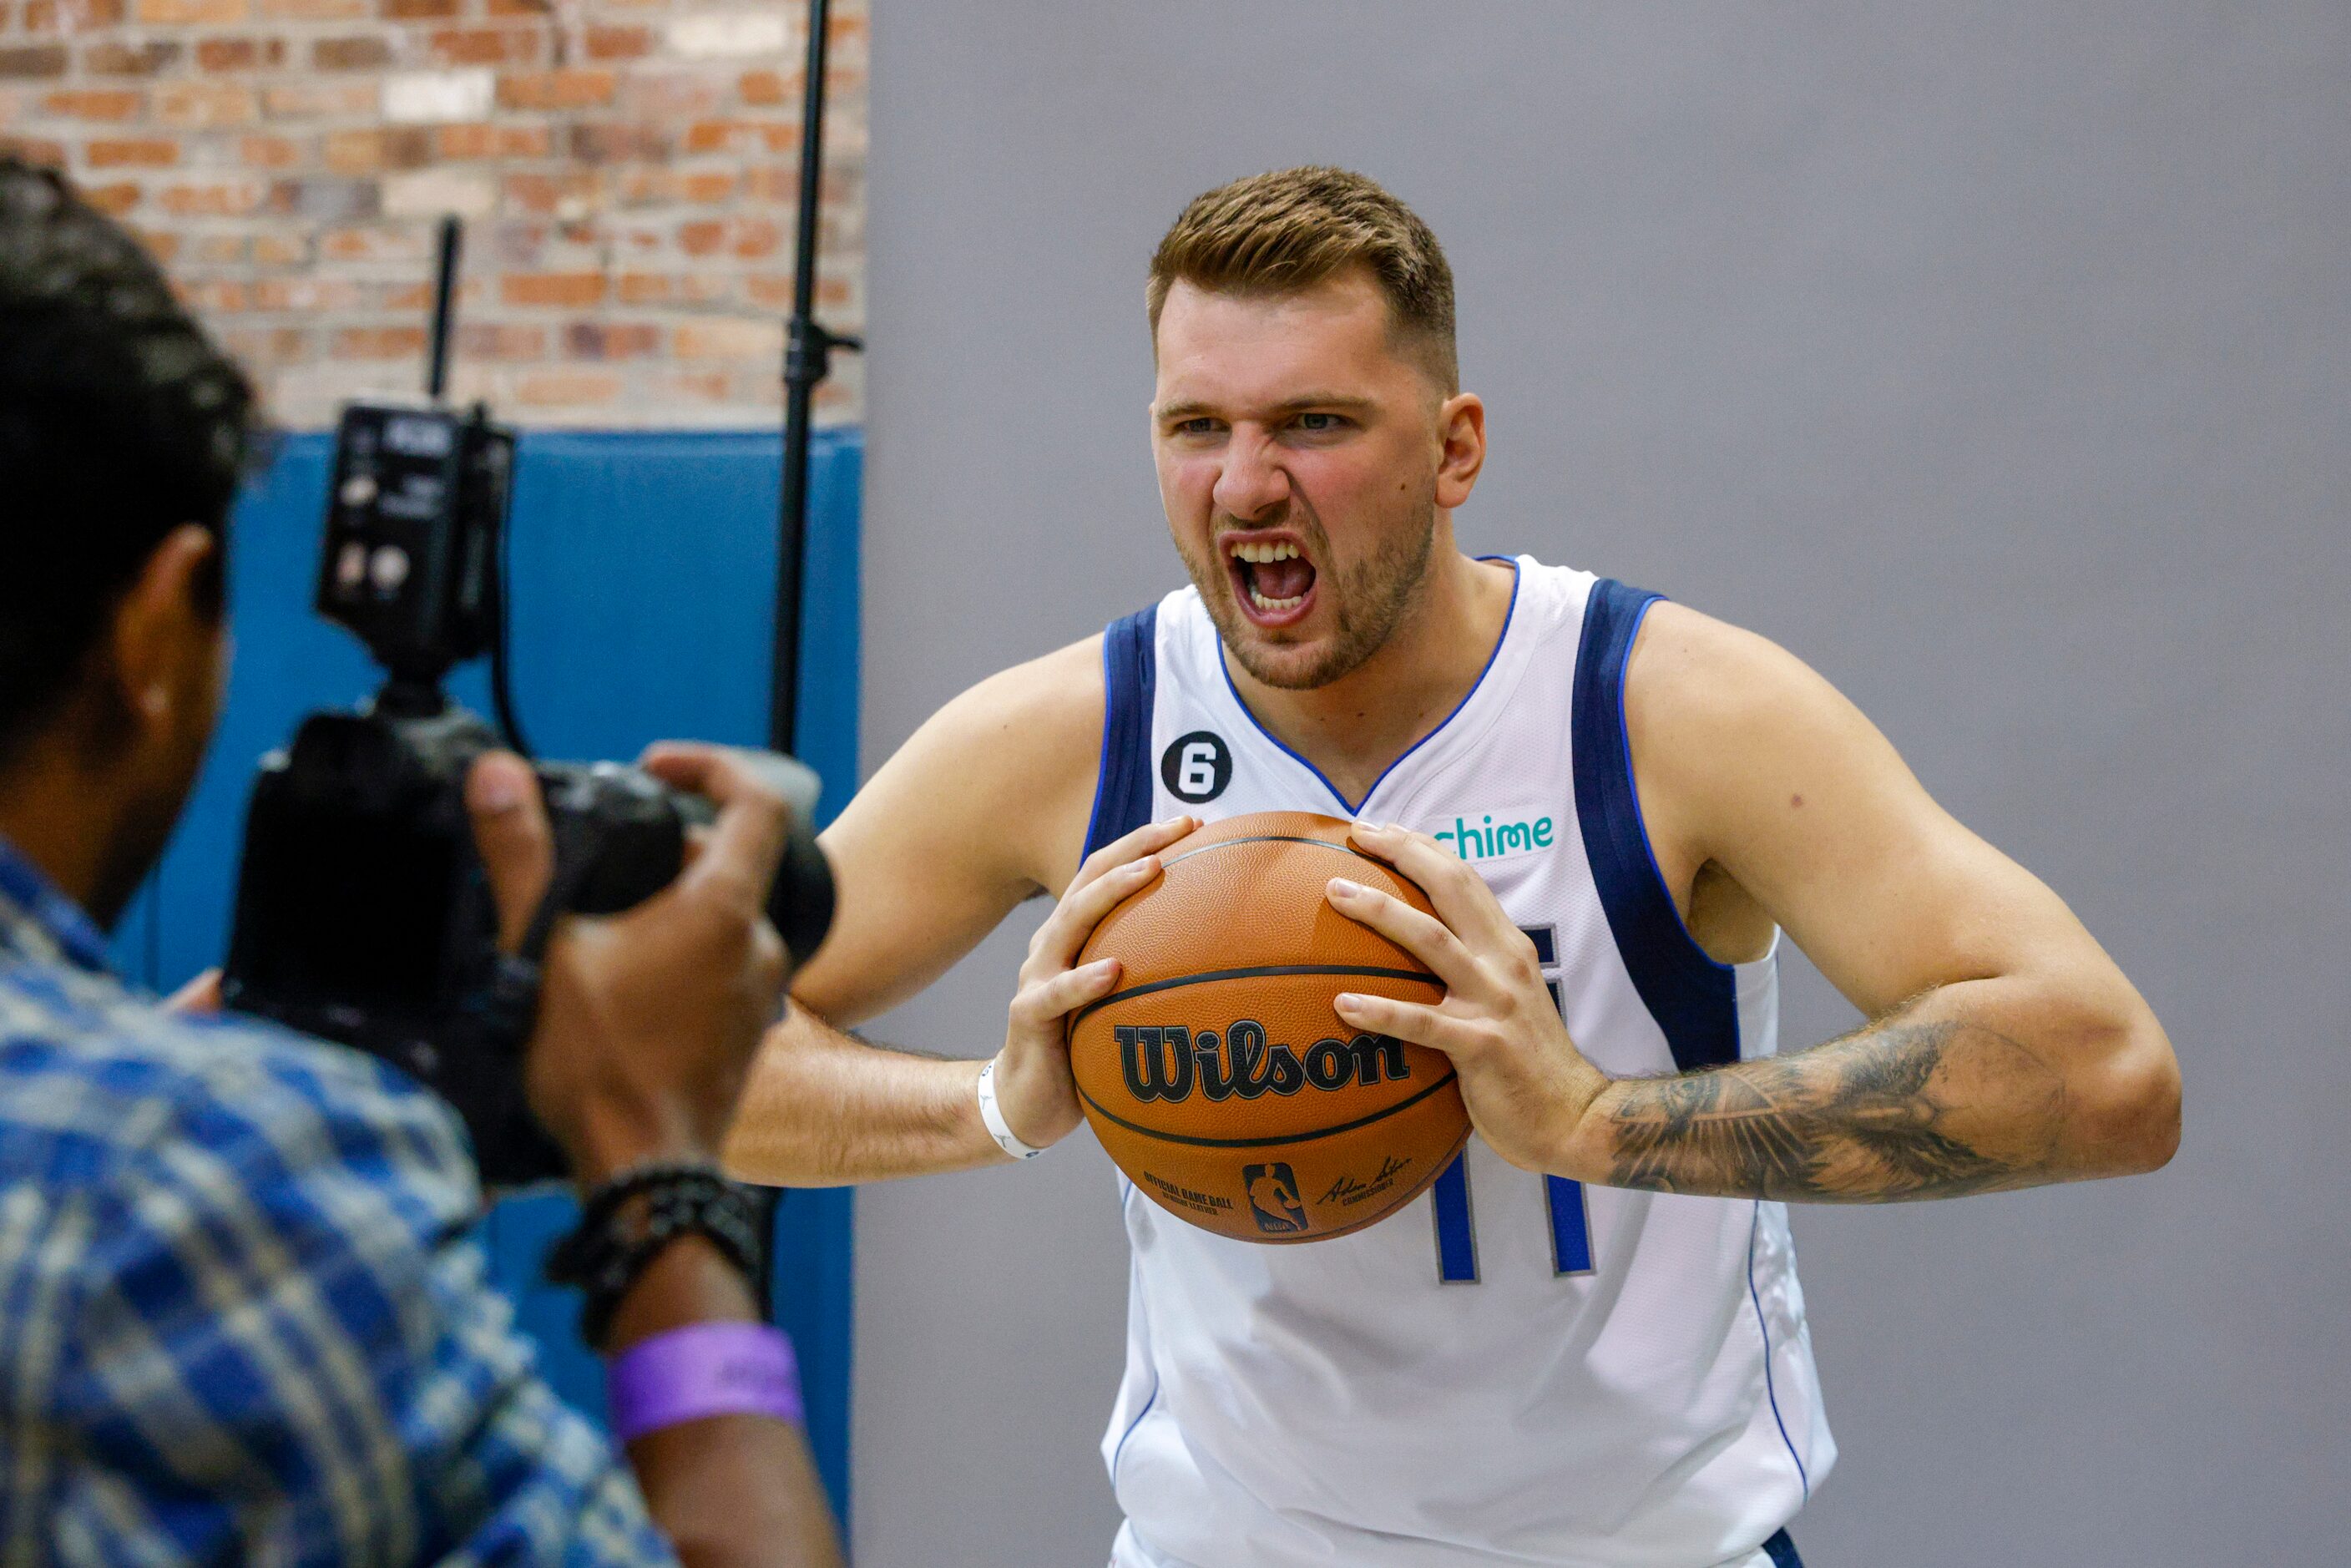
<point>1903,1109</point>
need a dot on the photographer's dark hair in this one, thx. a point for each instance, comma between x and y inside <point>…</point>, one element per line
<point>120,421</point>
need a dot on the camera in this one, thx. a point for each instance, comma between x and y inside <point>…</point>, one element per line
<point>363,913</point>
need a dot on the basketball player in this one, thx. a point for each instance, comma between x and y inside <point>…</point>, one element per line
<point>1586,1344</point>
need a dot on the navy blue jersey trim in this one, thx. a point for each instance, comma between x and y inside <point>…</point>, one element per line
<point>1355,808</point>
<point>1782,1550</point>
<point>1694,999</point>
<point>1130,681</point>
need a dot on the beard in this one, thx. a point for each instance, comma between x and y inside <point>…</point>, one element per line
<point>1367,601</point>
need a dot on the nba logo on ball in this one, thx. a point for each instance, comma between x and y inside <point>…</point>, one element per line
<point>1273,1198</point>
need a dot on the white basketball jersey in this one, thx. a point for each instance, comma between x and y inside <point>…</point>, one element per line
<point>1512,1368</point>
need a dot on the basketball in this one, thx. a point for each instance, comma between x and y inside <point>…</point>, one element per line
<point>1218,1076</point>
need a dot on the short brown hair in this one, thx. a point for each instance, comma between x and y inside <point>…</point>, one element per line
<point>1284,231</point>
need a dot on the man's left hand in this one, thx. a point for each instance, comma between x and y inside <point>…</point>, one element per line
<point>1525,1083</point>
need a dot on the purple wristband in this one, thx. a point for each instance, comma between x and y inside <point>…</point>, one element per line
<point>704,1369</point>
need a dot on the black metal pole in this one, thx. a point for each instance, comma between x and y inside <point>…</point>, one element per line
<point>808,355</point>
<point>445,304</point>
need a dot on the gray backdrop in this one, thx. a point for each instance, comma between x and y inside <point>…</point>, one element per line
<point>1990,356</point>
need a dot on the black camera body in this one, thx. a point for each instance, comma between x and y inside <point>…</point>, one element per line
<point>363,913</point>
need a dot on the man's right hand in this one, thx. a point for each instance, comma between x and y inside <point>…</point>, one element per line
<point>1033,1085</point>
<point>647,1019</point>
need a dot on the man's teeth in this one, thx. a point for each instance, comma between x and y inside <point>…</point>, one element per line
<point>1262,602</point>
<point>1263,554</point>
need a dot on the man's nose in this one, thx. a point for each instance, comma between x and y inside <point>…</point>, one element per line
<point>1252,483</point>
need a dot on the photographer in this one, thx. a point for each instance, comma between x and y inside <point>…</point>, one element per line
<point>242,1316</point>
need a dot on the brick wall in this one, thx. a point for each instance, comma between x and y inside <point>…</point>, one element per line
<point>628,170</point>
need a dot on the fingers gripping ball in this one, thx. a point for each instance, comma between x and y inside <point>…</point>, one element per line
<point>1217,1075</point>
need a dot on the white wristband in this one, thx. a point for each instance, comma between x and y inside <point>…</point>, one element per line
<point>998,1128</point>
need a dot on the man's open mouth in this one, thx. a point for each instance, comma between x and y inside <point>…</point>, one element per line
<point>1271,577</point>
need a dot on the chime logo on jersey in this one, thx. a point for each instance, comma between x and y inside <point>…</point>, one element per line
<point>1487,839</point>
<point>1273,1198</point>
<point>1168,1062</point>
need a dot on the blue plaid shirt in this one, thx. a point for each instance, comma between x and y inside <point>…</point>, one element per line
<point>242,1313</point>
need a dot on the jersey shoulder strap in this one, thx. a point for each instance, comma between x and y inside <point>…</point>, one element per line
<point>1694,999</point>
<point>1129,684</point>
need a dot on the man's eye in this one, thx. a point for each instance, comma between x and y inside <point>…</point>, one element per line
<point>1319,421</point>
<point>1202,426</point>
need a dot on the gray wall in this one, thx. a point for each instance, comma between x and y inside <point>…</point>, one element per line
<point>1992,357</point>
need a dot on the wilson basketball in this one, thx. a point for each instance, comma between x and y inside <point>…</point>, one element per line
<point>1217,1075</point>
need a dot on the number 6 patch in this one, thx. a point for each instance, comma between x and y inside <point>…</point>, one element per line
<point>1196,766</point>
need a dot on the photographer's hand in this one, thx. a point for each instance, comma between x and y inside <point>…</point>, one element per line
<point>647,1019</point>
<point>647,1022</point>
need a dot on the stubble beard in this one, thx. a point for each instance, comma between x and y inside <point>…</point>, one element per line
<point>1368,602</point>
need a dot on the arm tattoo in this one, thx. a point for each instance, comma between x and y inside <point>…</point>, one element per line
<point>1902,1109</point>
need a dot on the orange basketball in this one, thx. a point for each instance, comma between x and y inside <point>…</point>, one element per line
<point>1217,1075</point>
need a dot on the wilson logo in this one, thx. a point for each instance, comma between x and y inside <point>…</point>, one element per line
<point>1168,1062</point>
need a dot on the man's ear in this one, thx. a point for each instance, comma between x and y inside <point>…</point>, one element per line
<point>167,628</point>
<point>1461,427</point>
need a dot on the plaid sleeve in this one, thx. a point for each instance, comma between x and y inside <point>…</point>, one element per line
<point>279,1344</point>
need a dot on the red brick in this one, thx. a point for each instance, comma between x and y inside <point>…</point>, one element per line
<point>483,141</point>
<point>699,386</point>
<point>268,151</point>
<point>567,389</point>
<point>316,10</point>
<point>133,152</point>
<point>32,149</point>
<point>280,250</point>
<point>619,43</point>
<point>205,105</point>
<point>407,243</point>
<point>112,57</point>
<point>214,199</point>
<point>501,341</point>
<point>767,90</point>
<point>114,200</point>
<point>545,194</point>
<point>30,61</point>
<point>214,295</point>
<point>163,245</point>
<point>373,151</point>
<point>222,250</point>
<point>361,53</point>
<point>486,46</point>
<point>773,290</point>
<point>777,182</point>
<point>567,88</point>
<point>268,347</point>
<point>94,105</point>
<point>420,10</point>
<point>240,54</point>
<point>610,341</point>
<point>729,337</point>
<point>378,342</point>
<point>628,141</point>
<point>193,12</point>
<point>673,94</point>
<point>574,290</point>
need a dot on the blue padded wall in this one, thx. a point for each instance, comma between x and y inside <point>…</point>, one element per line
<point>643,570</point>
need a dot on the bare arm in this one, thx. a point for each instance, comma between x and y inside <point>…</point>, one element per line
<point>2005,1048</point>
<point>984,806</point>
